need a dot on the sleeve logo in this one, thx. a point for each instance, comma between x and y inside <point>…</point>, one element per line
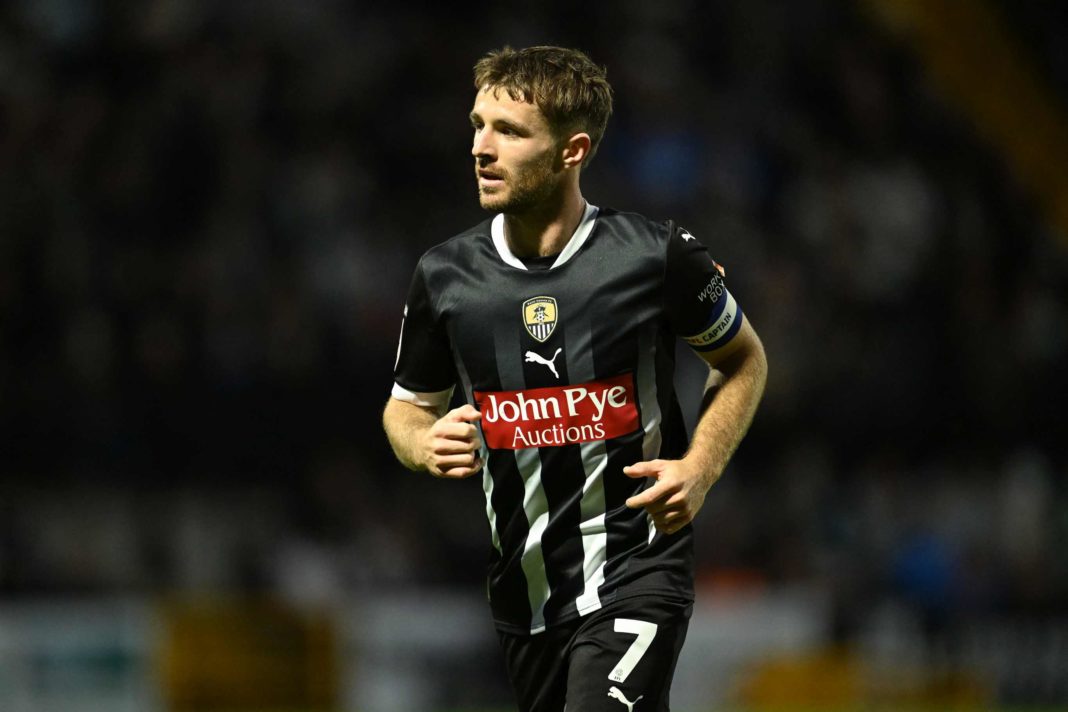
<point>539,317</point>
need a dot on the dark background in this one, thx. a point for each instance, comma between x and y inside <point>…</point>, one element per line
<point>209,214</point>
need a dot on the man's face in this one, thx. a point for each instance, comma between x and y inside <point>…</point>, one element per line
<point>517,162</point>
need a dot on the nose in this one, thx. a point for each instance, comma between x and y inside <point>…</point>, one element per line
<point>482,148</point>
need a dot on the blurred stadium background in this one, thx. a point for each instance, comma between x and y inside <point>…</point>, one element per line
<point>209,213</point>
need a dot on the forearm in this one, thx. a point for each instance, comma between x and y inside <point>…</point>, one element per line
<point>406,426</point>
<point>726,420</point>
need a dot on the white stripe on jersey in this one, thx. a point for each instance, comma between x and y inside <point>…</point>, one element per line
<point>651,416</point>
<point>487,487</point>
<point>487,476</point>
<point>536,507</point>
<point>592,526</point>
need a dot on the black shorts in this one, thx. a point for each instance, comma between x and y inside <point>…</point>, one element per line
<point>604,662</point>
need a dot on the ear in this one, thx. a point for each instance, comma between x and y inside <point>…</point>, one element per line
<point>576,150</point>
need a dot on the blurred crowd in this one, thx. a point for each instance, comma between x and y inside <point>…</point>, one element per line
<point>209,214</point>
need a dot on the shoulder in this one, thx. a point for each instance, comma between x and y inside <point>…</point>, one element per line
<point>635,228</point>
<point>634,221</point>
<point>456,247</point>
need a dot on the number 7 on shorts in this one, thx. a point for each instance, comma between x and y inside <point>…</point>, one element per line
<point>645,632</point>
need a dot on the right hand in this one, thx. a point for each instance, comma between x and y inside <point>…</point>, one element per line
<point>452,446</point>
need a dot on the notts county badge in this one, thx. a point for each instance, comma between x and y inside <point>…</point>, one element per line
<point>539,316</point>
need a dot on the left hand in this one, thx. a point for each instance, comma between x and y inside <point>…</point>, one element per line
<point>674,500</point>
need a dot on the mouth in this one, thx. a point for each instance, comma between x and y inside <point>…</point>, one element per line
<point>489,179</point>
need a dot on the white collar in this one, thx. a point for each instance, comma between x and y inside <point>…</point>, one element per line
<point>582,233</point>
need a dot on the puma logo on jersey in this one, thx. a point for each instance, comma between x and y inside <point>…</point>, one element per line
<point>535,358</point>
<point>615,694</point>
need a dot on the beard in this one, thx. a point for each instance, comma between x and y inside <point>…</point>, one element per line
<point>522,191</point>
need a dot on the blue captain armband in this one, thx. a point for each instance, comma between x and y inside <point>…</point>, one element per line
<point>723,324</point>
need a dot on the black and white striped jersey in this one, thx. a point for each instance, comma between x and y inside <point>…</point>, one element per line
<point>572,369</point>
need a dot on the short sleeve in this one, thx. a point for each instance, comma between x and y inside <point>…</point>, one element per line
<point>699,307</point>
<point>424,372</point>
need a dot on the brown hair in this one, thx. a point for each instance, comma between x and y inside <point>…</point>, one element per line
<point>566,86</point>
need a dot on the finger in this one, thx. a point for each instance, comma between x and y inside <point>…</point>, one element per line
<point>456,431</point>
<point>677,526</point>
<point>670,523</point>
<point>643,469</point>
<point>658,506</point>
<point>660,497</point>
<point>677,500</point>
<point>445,446</point>
<point>669,517</point>
<point>647,497</point>
<point>466,413</point>
<point>458,473</point>
<point>460,460</point>
<point>667,529</point>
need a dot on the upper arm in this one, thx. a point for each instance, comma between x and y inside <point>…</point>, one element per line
<point>699,307</point>
<point>423,373</point>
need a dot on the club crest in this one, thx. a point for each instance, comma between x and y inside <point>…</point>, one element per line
<point>539,317</point>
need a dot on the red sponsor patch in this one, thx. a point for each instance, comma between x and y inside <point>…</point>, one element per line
<point>559,415</point>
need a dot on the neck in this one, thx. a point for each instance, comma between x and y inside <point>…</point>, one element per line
<point>544,230</point>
